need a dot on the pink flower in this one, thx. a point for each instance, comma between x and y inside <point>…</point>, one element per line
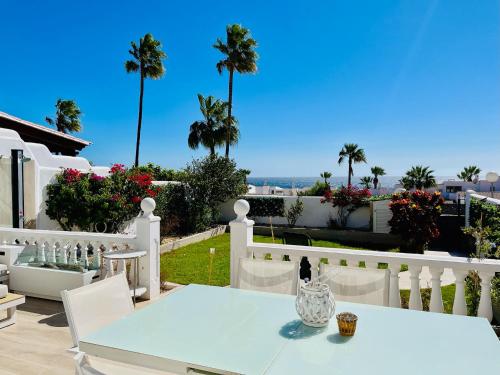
<point>117,168</point>
<point>71,175</point>
<point>95,177</point>
<point>136,199</point>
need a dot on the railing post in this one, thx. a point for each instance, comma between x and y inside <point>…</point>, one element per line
<point>241,237</point>
<point>394,294</point>
<point>459,305</point>
<point>148,238</point>
<point>468,198</point>
<point>485,309</point>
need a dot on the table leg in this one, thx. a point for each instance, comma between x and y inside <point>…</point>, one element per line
<point>10,319</point>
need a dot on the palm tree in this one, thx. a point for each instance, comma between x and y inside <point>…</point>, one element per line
<point>418,177</point>
<point>468,173</point>
<point>366,182</point>
<point>354,154</point>
<point>377,171</point>
<point>67,116</point>
<point>210,132</point>
<point>326,175</point>
<point>147,60</point>
<point>239,56</point>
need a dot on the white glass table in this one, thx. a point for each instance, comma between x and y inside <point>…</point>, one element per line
<point>231,331</point>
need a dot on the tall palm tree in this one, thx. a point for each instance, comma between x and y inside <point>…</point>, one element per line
<point>354,154</point>
<point>418,177</point>
<point>469,173</point>
<point>326,175</point>
<point>366,182</point>
<point>147,60</point>
<point>240,56</point>
<point>377,171</point>
<point>67,116</point>
<point>210,132</point>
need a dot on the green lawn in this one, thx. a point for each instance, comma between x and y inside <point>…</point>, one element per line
<point>190,264</point>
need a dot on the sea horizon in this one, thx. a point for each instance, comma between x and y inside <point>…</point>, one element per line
<point>305,182</point>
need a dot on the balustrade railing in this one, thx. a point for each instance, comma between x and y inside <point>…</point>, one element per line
<point>84,249</point>
<point>242,246</point>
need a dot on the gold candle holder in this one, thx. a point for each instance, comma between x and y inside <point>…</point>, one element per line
<point>347,323</point>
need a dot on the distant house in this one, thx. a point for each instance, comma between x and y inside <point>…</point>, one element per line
<point>57,142</point>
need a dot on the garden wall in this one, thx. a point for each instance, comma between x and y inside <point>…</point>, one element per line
<point>315,214</point>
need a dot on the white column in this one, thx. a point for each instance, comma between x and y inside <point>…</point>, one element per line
<point>314,267</point>
<point>394,295</point>
<point>415,297</point>
<point>459,305</point>
<point>241,237</point>
<point>40,245</point>
<point>436,303</point>
<point>485,309</point>
<point>148,238</point>
<point>96,260</point>
<point>51,258</point>
<point>73,256</point>
<point>467,206</point>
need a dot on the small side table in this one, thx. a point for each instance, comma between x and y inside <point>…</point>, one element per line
<point>9,303</point>
<point>124,255</point>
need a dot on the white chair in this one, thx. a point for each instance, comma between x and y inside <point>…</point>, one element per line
<point>356,284</point>
<point>86,365</point>
<point>268,276</point>
<point>93,306</point>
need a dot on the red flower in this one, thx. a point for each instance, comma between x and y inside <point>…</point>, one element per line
<point>152,193</point>
<point>117,168</point>
<point>136,199</point>
<point>95,177</point>
<point>71,175</point>
<point>144,180</point>
<point>115,197</point>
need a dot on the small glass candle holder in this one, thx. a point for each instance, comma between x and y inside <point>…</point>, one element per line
<point>347,323</point>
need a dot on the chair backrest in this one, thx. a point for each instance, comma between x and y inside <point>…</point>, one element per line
<point>300,239</point>
<point>356,284</point>
<point>93,306</point>
<point>268,276</point>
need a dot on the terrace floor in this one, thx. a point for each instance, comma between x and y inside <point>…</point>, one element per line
<point>38,342</point>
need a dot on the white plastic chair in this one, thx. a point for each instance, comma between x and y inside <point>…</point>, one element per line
<point>93,306</point>
<point>356,284</point>
<point>85,365</point>
<point>268,276</point>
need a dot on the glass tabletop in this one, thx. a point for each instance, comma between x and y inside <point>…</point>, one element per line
<point>245,332</point>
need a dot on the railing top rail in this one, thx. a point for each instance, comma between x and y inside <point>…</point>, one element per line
<point>41,233</point>
<point>485,198</point>
<point>490,265</point>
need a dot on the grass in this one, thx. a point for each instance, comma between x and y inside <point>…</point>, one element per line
<point>190,264</point>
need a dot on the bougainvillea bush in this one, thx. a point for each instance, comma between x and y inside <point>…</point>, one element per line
<point>346,199</point>
<point>415,218</point>
<point>87,202</point>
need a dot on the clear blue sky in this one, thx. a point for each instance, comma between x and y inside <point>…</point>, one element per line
<point>413,82</point>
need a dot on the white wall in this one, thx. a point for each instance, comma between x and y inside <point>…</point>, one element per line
<point>315,214</point>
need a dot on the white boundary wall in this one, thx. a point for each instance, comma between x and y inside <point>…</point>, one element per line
<point>315,214</point>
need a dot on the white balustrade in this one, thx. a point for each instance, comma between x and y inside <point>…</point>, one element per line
<point>242,246</point>
<point>66,247</point>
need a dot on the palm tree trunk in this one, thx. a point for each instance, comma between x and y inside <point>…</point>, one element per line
<point>139,122</point>
<point>229,111</point>
<point>349,173</point>
<point>212,150</point>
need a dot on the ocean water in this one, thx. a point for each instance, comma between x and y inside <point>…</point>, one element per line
<point>303,182</point>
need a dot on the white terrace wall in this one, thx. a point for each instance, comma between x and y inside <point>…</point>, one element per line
<point>315,214</point>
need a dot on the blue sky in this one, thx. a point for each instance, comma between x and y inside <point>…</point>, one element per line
<point>412,82</point>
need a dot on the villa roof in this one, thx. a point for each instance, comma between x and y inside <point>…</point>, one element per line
<point>56,141</point>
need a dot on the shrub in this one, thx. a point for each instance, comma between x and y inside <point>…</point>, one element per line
<point>269,207</point>
<point>159,173</point>
<point>89,202</point>
<point>347,200</point>
<point>414,217</point>
<point>490,214</point>
<point>294,212</point>
<point>193,206</point>
<point>319,189</point>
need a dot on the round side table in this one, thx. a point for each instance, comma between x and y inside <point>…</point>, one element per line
<point>124,255</point>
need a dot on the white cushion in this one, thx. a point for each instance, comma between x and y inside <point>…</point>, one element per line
<point>268,276</point>
<point>356,284</point>
<point>3,290</point>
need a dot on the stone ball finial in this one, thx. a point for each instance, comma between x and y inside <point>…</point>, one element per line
<point>241,208</point>
<point>148,205</point>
